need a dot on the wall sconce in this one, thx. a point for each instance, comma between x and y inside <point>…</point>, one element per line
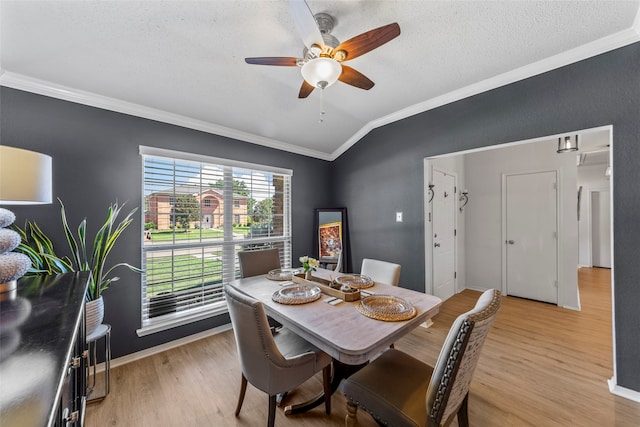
<point>431,193</point>
<point>464,198</point>
<point>25,179</point>
<point>567,144</point>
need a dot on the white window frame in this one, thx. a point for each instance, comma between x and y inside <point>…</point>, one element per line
<point>229,244</point>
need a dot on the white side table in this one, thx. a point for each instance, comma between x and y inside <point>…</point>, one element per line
<point>102,331</point>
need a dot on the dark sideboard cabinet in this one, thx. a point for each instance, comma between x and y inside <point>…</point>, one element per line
<point>43,352</point>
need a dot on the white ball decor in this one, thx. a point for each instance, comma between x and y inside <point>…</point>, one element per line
<point>13,266</point>
<point>9,240</point>
<point>6,217</point>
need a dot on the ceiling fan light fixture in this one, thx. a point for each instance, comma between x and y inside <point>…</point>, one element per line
<point>321,72</point>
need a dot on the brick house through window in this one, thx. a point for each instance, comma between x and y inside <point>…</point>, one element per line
<point>161,207</point>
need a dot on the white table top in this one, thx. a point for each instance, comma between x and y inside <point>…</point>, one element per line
<point>341,330</point>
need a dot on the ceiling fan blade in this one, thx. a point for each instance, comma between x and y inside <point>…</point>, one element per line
<point>305,23</point>
<point>365,42</point>
<point>305,89</point>
<point>355,78</point>
<point>273,60</point>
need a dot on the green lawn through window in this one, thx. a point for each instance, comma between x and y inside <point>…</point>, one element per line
<point>186,272</point>
<point>192,234</point>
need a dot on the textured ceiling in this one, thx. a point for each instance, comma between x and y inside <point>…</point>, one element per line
<point>183,61</point>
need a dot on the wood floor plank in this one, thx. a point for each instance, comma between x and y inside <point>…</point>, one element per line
<point>541,366</point>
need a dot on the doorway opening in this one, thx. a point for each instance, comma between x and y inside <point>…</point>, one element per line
<point>480,242</point>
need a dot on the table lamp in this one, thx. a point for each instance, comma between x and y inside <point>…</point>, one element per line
<point>25,179</point>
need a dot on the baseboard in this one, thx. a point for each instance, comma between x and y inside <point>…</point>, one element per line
<point>120,361</point>
<point>623,392</point>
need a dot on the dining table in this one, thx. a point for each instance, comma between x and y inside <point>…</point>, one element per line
<point>338,327</point>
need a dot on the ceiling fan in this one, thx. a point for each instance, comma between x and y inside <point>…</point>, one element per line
<point>323,57</point>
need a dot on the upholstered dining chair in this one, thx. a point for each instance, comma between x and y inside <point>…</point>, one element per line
<point>381,271</point>
<point>273,364</point>
<point>255,263</point>
<point>338,267</point>
<point>399,390</point>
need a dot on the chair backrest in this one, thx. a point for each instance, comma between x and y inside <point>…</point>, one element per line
<point>256,347</point>
<point>381,271</point>
<point>459,356</point>
<point>338,266</point>
<point>255,263</point>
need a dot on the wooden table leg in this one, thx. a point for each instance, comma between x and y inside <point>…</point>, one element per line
<point>340,372</point>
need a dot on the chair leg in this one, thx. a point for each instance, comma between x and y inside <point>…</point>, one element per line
<point>352,415</point>
<point>272,411</point>
<point>326,385</point>
<point>463,412</point>
<point>243,390</point>
<point>280,398</point>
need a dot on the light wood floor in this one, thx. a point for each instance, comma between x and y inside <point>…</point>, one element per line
<point>541,366</point>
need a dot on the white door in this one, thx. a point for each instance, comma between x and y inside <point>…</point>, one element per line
<point>444,247</point>
<point>601,229</point>
<point>531,236</point>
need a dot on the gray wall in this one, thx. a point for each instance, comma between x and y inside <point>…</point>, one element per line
<point>96,161</point>
<point>383,173</point>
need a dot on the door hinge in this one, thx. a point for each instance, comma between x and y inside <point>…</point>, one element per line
<point>455,232</point>
<point>455,274</point>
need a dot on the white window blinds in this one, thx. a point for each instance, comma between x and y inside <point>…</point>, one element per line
<point>199,212</point>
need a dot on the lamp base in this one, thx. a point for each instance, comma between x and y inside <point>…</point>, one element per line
<point>11,285</point>
<point>8,290</point>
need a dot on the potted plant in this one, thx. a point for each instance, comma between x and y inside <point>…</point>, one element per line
<point>94,259</point>
<point>39,248</point>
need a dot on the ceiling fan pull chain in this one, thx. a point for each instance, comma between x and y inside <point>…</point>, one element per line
<point>322,112</point>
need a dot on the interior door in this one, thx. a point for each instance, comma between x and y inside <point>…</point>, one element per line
<point>531,236</point>
<point>601,229</point>
<point>444,234</point>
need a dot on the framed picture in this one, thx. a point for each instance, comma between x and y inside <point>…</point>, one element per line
<point>330,239</point>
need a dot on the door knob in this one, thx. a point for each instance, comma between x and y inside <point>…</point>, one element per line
<point>436,245</point>
<point>511,242</point>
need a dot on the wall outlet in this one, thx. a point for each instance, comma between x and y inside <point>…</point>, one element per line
<point>398,216</point>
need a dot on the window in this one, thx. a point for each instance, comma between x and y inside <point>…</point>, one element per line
<point>191,254</point>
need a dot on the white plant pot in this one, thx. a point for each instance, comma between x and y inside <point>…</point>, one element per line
<point>95,314</point>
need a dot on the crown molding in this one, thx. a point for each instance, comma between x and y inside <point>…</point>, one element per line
<point>41,87</point>
<point>605,44</point>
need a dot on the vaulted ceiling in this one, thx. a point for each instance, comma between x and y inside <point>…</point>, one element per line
<point>182,62</point>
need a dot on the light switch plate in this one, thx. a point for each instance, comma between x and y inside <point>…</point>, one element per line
<point>398,216</point>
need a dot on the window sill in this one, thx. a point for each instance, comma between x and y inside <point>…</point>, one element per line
<point>180,319</point>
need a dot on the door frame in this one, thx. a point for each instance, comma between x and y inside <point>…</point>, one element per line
<point>590,220</point>
<point>428,235</point>
<point>503,201</point>
<point>612,382</point>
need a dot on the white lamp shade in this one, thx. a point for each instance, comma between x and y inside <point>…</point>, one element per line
<point>25,177</point>
<point>321,72</point>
